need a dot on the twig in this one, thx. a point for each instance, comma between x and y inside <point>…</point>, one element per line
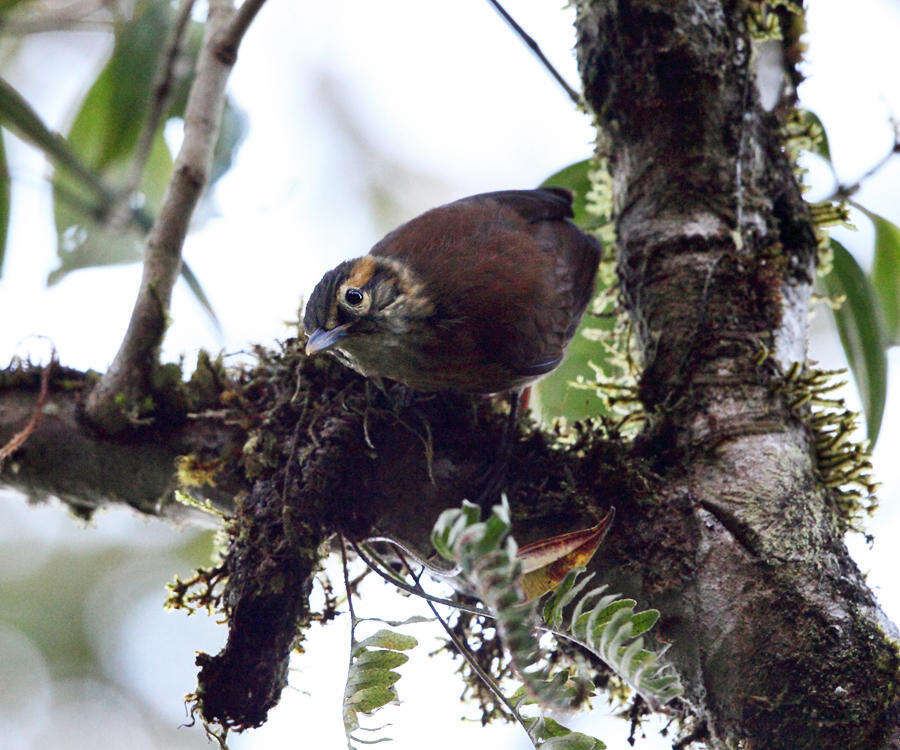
<point>534,47</point>
<point>163,84</point>
<point>230,38</point>
<point>18,440</point>
<point>464,649</point>
<point>419,590</point>
<point>845,191</point>
<point>114,403</point>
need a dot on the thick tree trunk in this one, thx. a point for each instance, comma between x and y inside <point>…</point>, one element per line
<point>724,522</point>
<point>780,641</point>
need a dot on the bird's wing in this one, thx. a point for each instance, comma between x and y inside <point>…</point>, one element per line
<point>506,266</point>
<point>543,204</point>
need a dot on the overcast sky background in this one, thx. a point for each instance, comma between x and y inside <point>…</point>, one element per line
<point>437,100</point>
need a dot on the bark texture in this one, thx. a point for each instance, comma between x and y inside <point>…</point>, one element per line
<point>723,520</point>
<point>772,625</point>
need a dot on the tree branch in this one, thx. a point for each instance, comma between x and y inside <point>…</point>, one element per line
<point>535,48</point>
<point>162,93</point>
<point>118,400</point>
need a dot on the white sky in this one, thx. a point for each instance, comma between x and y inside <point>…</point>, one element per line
<point>448,93</point>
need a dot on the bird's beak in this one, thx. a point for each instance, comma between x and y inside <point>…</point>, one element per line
<point>321,339</point>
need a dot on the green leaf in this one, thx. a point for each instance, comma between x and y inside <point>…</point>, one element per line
<point>4,202</point>
<point>859,326</point>
<point>886,274</point>
<point>387,639</point>
<point>18,115</point>
<point>382,659</point>
<point>86,237</point>
<point>643,621</point>
<point>370,699</point>
<point>370,677</point>
<point>104,134</point>
<point>106,128</point>
<point>575,177</point>
<point>554,394</point>
<point>548,733</point>
<point>199,293</point>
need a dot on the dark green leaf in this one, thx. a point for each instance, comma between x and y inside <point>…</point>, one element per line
<point>643,621</point>
<point>859,326</point>
<point>575,177</point>
<point>106,128</point>
<point>555,395</point>
<point>18,115</point>
<point>886,274</point>
<point>4,202</point>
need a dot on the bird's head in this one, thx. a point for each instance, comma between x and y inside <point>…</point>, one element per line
<point>363,301</point>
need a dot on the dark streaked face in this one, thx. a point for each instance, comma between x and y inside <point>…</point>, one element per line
<point>356,299</point>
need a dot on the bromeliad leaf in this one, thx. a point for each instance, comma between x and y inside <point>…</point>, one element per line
<point>859,325</point>
<point>545,563</point>
<point>886,274</point>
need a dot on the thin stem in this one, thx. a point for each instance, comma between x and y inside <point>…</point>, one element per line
<point>535,48</point>
<point>348,591</point>
<point>844,192</point>
<point>464,649</point>
<point>116,403</point>
<point>229,40</point>
<point>418,590</point>
<point>163,85</point>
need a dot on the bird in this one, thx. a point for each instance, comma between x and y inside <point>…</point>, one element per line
<point>478,296</point>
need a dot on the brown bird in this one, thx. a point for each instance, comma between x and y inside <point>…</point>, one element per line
<point>479,296</point>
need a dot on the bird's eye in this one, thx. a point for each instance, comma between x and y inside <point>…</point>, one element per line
<point>353,297</point>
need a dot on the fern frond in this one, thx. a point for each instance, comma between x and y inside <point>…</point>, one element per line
<point>603,623</point>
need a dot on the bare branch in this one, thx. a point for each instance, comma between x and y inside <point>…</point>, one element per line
<point>535,48</point>
<point>847,190</point>
<point>116,403</point>
<point>231,37</point>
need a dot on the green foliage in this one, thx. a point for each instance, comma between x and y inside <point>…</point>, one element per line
<point>610,628</point>
<point>604,624</point>
<point>859,325</point>
<point>371,676</point>
<point>886,274</point>
<point>97,221</point>
<point>104,134</point>
<point>587,180</point>
<point>549,734</point>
